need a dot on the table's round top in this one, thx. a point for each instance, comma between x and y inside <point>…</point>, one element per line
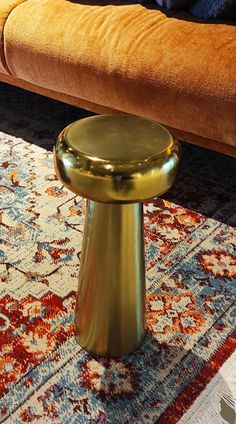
<point>118,138</point>
<point>116,158</point>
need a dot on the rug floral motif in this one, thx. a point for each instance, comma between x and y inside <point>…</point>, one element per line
<point>45,377</point>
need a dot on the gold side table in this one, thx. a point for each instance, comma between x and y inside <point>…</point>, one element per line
<point>116,162</point>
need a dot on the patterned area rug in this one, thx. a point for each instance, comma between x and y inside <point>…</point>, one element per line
<point>185,370</point>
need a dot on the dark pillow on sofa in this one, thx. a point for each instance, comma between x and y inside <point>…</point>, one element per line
<point>206,9</point>
<point>209,9</point>
<point>169,4</point>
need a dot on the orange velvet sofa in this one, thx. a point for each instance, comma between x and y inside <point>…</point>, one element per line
<point>121,57</point>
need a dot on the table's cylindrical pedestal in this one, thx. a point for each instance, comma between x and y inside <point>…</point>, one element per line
<point>110,306</point>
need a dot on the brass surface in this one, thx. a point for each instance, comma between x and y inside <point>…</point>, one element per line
<point>110,307</point>
<point>116,162</point>
<point>116,159</point>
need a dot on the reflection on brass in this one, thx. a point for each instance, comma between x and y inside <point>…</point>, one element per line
<point>116,162</point>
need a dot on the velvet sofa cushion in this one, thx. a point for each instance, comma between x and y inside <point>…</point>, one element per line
<point>97,108</point>
<point>6,6</point>
<point>172,69</point>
